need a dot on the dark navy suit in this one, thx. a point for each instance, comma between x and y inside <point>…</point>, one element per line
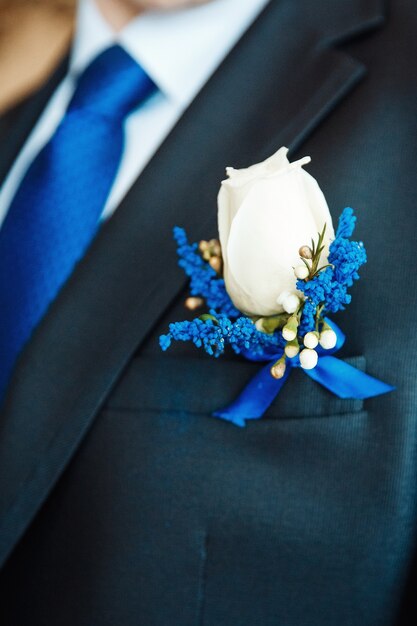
<point>122,501</point>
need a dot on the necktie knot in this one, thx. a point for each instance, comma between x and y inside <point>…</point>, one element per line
<point>112,85</point>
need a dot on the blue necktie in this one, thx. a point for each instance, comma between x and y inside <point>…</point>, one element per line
<point>56,210</point>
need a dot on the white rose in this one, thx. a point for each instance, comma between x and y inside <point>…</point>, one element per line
<point>266,213</point>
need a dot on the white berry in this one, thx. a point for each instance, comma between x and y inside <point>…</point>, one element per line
<point>290,303</point>
<point>301,272</point>
<point>288,300</point>
<point>311,340</point>
<point>328,339</point>
<point>288,333</point>
<point>308,359</point>
<point>292,349</point>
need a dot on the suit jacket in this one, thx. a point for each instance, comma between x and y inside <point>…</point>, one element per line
<point>122,501</point>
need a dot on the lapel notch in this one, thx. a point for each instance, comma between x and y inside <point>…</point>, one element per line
<point>16,124</point>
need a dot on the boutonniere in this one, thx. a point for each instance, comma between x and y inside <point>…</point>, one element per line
<point>271,282</point>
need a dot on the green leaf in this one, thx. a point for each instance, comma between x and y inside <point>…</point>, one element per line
<point>207,317</point>
<point>313,247</point>
<point>306,264</point>
<point>272,323</point>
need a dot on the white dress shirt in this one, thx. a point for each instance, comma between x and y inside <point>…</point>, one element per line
<point>178,49</point>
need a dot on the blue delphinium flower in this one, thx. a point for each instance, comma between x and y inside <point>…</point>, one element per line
<point>213,335</point>
<point>346,256</point>
<point>330,286</point>
<point>204,334</point>
<point>347,223</point>
<point>245,337</point>
<point>204,281</point>
<point>308,318</point>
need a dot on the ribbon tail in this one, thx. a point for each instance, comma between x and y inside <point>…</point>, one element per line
<point>346,381</point>
<point>255,399</point>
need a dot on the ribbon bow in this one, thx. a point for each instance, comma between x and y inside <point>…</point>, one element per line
<point>342,379</point>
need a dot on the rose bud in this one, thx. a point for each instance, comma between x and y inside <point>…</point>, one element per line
<point>266,213</point>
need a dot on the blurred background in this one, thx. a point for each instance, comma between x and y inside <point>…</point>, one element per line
<point>34,36</point>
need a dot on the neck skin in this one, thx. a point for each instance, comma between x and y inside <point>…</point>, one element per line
<point>118,13</point>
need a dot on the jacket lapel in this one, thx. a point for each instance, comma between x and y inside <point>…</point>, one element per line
<point>16,124</point>
<point>273,89</point>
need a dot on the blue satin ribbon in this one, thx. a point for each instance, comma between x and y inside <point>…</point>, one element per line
<point>342,379</point>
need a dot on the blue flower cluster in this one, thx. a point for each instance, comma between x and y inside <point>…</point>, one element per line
<point>225,326</point>
<point>204,281</point>
<point>308,318</point>
<point>213,335</point>
<point>330,286</point>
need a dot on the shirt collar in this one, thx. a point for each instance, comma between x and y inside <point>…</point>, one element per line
<point>178,49</point>
<point>92,36</point>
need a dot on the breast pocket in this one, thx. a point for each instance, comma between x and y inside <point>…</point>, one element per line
<point>201,385</point>
<point>282,505</point>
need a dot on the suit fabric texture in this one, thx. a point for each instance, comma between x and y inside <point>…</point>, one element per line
<point>122,501</point>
